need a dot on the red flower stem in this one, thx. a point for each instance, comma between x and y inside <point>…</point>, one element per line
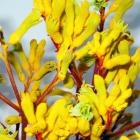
<point>127,128</point>
<point>39,136</point>
<point>11,77</point>
<point>76,76</point>
<point>24,124</point>
<point>102,13</point>
<point>109,119</point>
<point>47,91</point>
<point>7,101</point>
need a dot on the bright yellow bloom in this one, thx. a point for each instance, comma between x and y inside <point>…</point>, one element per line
<point>10,120</point>
<point>32,19</point>
<point>28,108</point>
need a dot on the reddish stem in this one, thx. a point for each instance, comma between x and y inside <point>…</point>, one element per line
<point>102,13</point>
<point>76,76</point>
<point>39,136</point>
<point>98,68</point>
<point>127,128</point>
<point>12,80</point>
<point>47,91</point>
<point>7,101</point>
<point>109,118</point>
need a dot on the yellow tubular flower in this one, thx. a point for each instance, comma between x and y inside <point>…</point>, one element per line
<point>28,108</point>
<point>136,57</point>
<point>110,76</point>
<point>40,115</point>
<point>32,19</point>
<point>83,127</point>
<point>100,87</point>
<point>72,125</point>
<point>51,136</point>
<point>124,82</point>
<point>39,54</point>
<point>10,120</point>
<point>124,138</point>
<point>46,68</point>
<point>38,4</point>
<point>122,8</point>
<point>52,25</point>
<point>33,96</point>
<point>118,60</point>
<point>32,54</point>
<point>58,8</point>
<point>81,17</point>
<point>124,47</point>
<point>90,27</point>
<point>13,60</point>
<point>121,72</point>
<point>53,113</point>
<point>25,64</point>
<point>112,36</point>
<point>95,43</point>
<point>120,103</point>
<point>69,25</point>
<point>44,6</point>
<point>118,5</point>
<point>83,51</point>
<point>62,133</point>
<point>48,7</point>
<point>63,67</point>
<point>97,129</point>
<point>67,30</point>
<point>133,72</point>
<point>113,94</point>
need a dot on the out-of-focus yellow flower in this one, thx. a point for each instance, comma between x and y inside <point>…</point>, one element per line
<point>28,108</point>
<point>13,60</point>
<point>119,60</point>
<point>40,124</point>
<point>124,138</point>
<point>32,19</point>
<point>116,99</point>
<point>58,8</point>
<point>47,67</point>
<point>97,129</point>
<point>10,120</point>
<point>39,54</point>
<point>119,7</point>
<point>64,64</point>
<point>81,16</point>
<point>84,127</point>
<point>44,6</point>
<point>90,27</point>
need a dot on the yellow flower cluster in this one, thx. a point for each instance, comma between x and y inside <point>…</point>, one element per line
<point>74,30</point>
<point>29,69</point>
<point>61,124</point>
<point>36,119</point>
<point>105,100</point>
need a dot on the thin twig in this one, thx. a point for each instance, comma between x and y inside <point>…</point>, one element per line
<point>75,75</point>
<point>7,101</point>
<point>47,91</point>
<point>127,128</point>
<point>11,77</point>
